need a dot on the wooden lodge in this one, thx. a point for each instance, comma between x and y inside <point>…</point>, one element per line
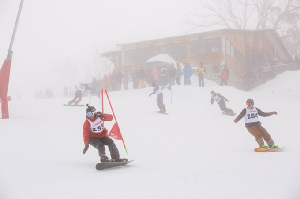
<point>250,55</point>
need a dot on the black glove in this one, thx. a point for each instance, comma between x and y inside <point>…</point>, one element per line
<point>85,149</point>
<point>99,114</point>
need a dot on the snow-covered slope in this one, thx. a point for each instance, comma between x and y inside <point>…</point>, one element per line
<point>194,152</point>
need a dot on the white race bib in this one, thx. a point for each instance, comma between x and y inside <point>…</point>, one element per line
<point>251,115</point>
<point>216,98</point>
<point>97,125</point>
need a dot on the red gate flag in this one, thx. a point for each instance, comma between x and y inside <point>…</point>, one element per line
<point>115,132</point>
<point>116,129</point>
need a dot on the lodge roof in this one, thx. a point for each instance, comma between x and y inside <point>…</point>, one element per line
<point>270,33</point>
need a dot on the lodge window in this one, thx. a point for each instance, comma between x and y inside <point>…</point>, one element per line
<point>175,51</point>
<point>198,48</point>
<point>214,46</point>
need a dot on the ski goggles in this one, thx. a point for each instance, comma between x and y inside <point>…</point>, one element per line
<point>89,114</point>
<point>249,104</point>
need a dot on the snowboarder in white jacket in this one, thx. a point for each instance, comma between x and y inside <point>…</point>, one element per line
<point>220,99</point>
<point>253,125</point>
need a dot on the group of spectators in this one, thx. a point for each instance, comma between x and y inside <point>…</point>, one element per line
<point>224,75</point>
<point>39,94</point>
<point>162,73</point>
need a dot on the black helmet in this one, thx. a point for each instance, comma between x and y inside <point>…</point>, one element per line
<point>250,101</point>
<point>213,93</point>
<point>90,110</point>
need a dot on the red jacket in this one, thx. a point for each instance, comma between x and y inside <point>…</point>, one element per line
<point>87,133</point>
<point>224,74</point>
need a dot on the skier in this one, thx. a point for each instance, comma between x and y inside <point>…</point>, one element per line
<point>95,134</point>
<point>78,94</point>
<point>160,98</point>
<point>253,125</point>
<point>221,101</point>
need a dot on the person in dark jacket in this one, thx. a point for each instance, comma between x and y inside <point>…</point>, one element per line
<point>125,79</point>
<point>95,134</point>
<point>220,99</point>
<point>178,73</point>
<point>253,125</point>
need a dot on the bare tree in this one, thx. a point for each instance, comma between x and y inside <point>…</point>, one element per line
<point>281,15</point>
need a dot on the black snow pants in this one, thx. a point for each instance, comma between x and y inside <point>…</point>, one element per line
<point>223,107</point>
<point>99,143</point>
<point>77,98</point>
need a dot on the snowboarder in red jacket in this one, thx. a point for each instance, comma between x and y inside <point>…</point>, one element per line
<point>253,124</point>
<point>95,134</point>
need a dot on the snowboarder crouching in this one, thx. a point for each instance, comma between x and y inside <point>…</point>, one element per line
<point>220,99</point>
<point>160,98</point>
<point>78,94</point>
<point>95,134</point>
<point>253,125</point>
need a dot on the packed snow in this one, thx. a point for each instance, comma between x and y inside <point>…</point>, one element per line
<point>194,152</point>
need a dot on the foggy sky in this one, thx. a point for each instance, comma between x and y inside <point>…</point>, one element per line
<point>51,33</point>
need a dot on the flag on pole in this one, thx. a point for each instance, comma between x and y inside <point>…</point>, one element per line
<point>116,129</point>
<point>115,132</point>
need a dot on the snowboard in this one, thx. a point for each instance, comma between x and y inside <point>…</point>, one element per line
<point>73,105</point>
<point>268,150</point>
<point>106,165</point>
<point>162,113</point>
<point>230,114</point>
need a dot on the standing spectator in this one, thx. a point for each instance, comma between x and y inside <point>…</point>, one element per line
<point>119,77</point>
<point>106,82</point>
<point>142,77</point>
<point>172,74</point>
<point>188,72</point>
<point>163,75</point>
<point>201,74</point>
<point>224,76</point>
<point>125,79</point>
<point>155,74</point>
<point>113,80</point>
<point>178,73</point>
<point>49,93</point>
<point>135,78</point>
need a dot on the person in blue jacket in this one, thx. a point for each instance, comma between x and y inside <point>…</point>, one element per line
<point>188,72</point>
